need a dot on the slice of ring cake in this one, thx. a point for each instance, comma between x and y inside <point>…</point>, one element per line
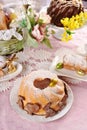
<point>71,60</point>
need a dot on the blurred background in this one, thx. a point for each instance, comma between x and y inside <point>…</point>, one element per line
<point>36,3</point>
<point>85,3</point>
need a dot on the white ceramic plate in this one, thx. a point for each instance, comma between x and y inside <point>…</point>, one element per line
<point>58,32</point>
<point>12,75</point>
<point>65,72</point>
<point>35,118</point>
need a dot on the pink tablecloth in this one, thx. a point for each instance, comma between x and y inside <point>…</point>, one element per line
<point>75,119</point>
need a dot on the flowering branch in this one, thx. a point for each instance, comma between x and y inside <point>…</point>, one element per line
<point>71,24</point>
<point>36,27</point>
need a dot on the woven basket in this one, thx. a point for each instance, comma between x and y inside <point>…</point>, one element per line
<point>11,46</point>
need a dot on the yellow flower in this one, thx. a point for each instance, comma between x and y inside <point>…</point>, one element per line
<point>73,23</point>
<point>69,37</point>
<point>76,25</point>
<point>77,17</point>
<point>81,14</point>
<point>66,37</point>
<point>65,21</point>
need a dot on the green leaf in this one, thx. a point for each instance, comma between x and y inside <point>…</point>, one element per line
<point>23,23</point>
<point>28,23</point>
<point>31,17</point>
<point>47,42</point>
<point>31,41</point>
<point>69,32</point>
<point>32,21</point>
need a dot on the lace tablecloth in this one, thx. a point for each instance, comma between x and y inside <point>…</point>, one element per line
<point>38,58</point>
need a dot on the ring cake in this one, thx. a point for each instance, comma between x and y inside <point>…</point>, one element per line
<point>42,93</point>
<point>59,9</point>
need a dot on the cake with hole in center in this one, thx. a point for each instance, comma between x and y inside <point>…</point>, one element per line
<point>59,9</point>
<point>42,93</point>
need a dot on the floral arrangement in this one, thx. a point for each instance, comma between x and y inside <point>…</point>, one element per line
<point>23,25</point>
<point>71,24</point>
<point>36,26</point>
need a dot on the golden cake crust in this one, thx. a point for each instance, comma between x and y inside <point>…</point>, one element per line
<point>41,101</point>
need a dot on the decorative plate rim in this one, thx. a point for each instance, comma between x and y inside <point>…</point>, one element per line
<point>12,75</point>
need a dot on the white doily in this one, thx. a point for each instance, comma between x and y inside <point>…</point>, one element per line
<point>8,34</point>
<point>30,54</point>
<point>5,85</point>
<point>22,56</point>
<point>33,59</point>
<point>26,69</point>
<point>43,65</point>
<point>40,54</point>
